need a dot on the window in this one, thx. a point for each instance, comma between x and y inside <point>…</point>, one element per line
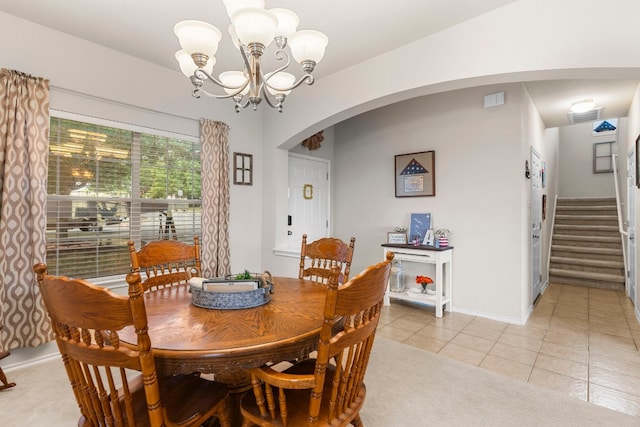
<point>603,157</point>
<point>107,185</point>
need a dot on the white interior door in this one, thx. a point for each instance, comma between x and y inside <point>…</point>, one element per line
<point>631,227</point>
<point>308,199</point>
<point>536,225</point>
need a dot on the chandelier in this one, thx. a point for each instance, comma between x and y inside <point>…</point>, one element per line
<point>252,29</point>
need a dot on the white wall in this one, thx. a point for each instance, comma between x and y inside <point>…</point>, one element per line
<point>479,176</point>
<point>576,163</point>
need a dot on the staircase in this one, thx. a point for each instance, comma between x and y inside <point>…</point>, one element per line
<point>586,249</point>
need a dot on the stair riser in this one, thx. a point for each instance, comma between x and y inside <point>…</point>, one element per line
<point>611,234</point>
<point>601,257</point>
<point>606,201</point>
<point>585,212</point>
<point>605,270</point>
<point>585,283</point>
<point>612,222</point>
<point>585,244</point>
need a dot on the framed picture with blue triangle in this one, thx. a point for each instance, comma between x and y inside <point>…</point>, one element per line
<point>415,174</point>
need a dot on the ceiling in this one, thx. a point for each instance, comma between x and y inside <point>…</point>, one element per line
<point>144,29</point>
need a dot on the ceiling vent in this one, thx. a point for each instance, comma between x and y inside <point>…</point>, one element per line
<point>587,116</point>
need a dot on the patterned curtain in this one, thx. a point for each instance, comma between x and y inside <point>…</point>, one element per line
<point>24,152</point>
<point>214,137</point>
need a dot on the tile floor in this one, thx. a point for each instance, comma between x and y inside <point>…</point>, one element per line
<point>580,341</point>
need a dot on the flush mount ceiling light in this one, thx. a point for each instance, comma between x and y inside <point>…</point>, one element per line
<point>252,29</point>
<point>582,106</point>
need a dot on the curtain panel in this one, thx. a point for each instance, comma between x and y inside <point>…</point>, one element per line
<point>214,138</point>
<point>24,151</point>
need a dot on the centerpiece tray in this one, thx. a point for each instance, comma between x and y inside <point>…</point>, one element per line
<point>231,291</point>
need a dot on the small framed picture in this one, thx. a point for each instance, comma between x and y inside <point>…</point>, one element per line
<point>242,169</point>
<point>397,238</point>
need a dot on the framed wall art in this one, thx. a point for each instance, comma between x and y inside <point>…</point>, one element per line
<point>242,169</point>
<point>415,174</point>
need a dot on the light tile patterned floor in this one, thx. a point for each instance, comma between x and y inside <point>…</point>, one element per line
<point>580,341</point>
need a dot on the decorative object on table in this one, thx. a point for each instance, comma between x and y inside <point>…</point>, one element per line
<point>234,291</point>
<point>396,277</point>
<point>442,237</point>
<point>420,223</point>
<point>242,169</point>
<point>429,238</point>
<point>424,281</point>
<point>415,174</point>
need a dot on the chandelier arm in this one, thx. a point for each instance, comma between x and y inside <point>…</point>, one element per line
<point>266,97</point>
<point>307,78</point>
<point>278,98</point>
<point>202,76</point>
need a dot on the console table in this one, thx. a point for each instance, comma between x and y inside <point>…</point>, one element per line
<point>441,257</point>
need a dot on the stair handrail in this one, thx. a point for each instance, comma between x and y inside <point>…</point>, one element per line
<point>621,230</point>
<point>553,224</point>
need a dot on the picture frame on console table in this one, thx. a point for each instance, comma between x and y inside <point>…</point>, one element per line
<point>397,238</point>
<point>420,224</point>
<point>415,174</point>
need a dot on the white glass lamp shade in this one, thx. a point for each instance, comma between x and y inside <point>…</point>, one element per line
<point>234,36</point>
<point>279,82</point>
<point>582,106</point>
<point>255,25</point>
<point>234,79</point>
<point>308,45</point>
<point>198,37</point>
<point>188,67</point>
<point>287,22</point>
<point>233,6</point>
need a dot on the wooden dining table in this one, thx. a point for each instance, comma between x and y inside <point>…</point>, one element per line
<point>226,342</point>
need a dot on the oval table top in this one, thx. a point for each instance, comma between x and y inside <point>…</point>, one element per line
<point>187,339</point>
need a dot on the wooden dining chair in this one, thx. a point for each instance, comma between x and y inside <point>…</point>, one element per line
<point>166,262</point>
<point>116,384</point>
<point>330,389</point>
<point>3,378</point>
<point>319,257</point>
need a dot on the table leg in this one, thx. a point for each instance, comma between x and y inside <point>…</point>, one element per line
<point>238,383</point>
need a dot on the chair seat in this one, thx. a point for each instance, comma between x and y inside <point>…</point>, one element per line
<point>298,401</point>
<point>183,397</point>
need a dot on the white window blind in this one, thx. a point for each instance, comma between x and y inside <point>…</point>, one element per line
<point>107,185</point>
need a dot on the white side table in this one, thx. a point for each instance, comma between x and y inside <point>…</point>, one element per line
<point>441,257</point>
